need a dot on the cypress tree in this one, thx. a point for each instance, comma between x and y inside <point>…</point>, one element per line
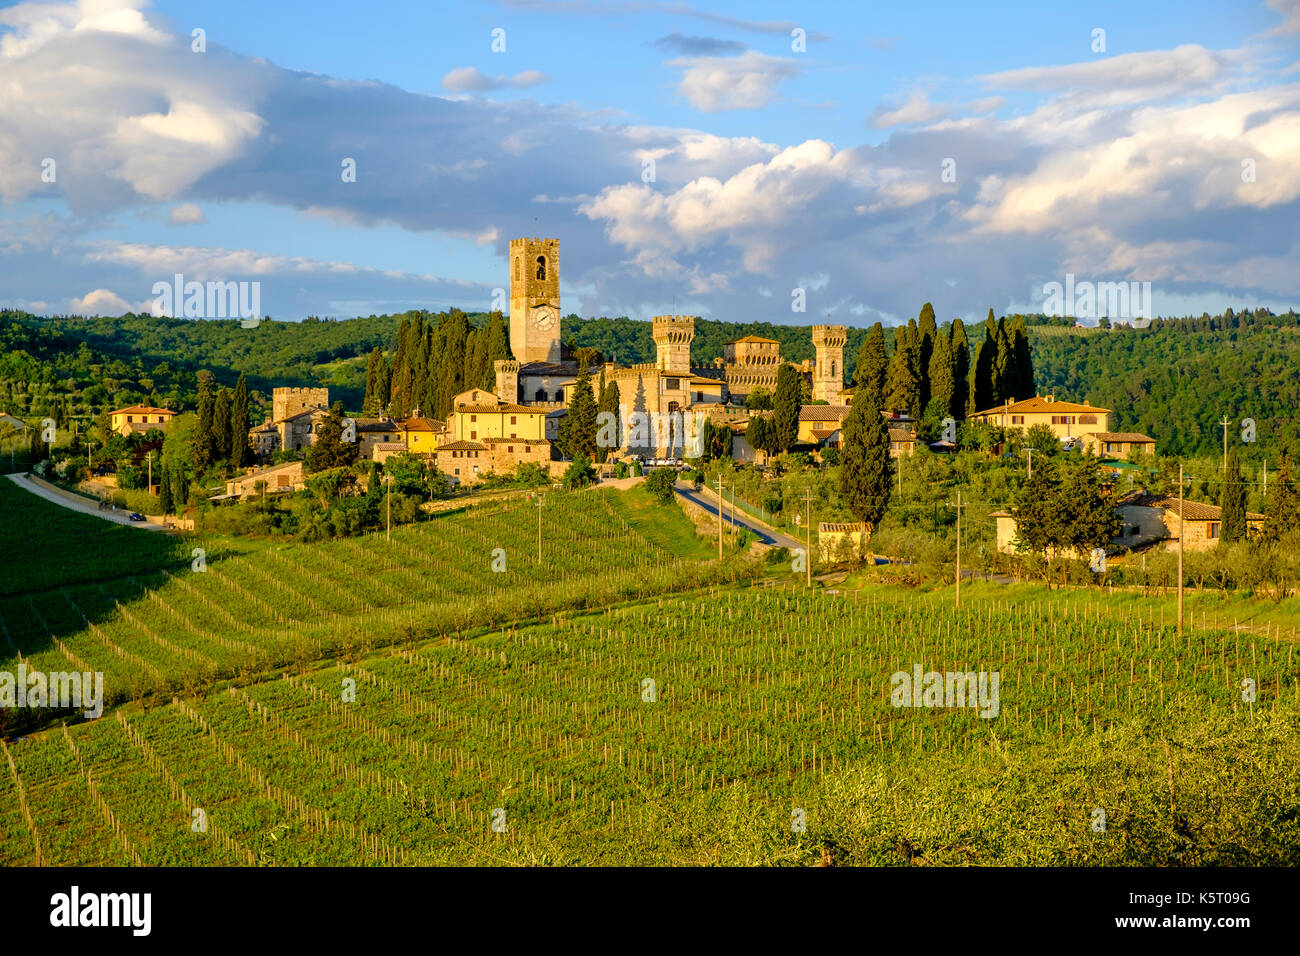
<point>165,492</point>
<point>1022,358</point>
<point>1004,376</point>
<point>903,389</point>
<point>942,384</point>
<point>578,430</point>
<point>928,331</point>
<point>985,390</point>
<point>785,408</point>
<point>609,401</point>
<point>204,442</point>
<point>1232,503</point>
<point>1283,516</point>
<point>872,371</point>
<point>959,348</point>
<point>240,452</point>
<point>373,405</point>
<point>866,471</point>
<point>221,426</point>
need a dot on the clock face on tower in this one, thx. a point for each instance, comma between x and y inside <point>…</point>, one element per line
<point>545,317</point>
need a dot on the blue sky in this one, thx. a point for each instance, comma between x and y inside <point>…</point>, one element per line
<point>775,168</point>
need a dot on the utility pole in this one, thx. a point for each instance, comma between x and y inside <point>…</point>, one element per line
<point>149,459</point>
<point>807,520</point>
<point>1265,477</point>
<point>1225,423</point>
<point>719,515</point>
<point>388,534</point>
<point>1180,549</point>
<point>959,550</point>
<point>1031,463</point>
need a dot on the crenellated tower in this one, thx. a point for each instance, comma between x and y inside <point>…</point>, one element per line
<point>673,335</point>
<point>507,380</point>
<point>828,372</point>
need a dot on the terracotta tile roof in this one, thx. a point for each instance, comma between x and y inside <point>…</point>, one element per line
<point>901,434</point>
<point>423,425</point>
<point>1040,405</point>
<point>462,446</point>
<point>142,410</point>
<point>753,338</point>
<point>506,408</point>
<point>823,413</point>
<point>1123,436</point>
<point>548,368</point>
<point>832,526</point>
<point>514,441</point>
<point>1192,510</point>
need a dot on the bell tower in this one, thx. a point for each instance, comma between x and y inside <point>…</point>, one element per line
<point>535,300</point>
<point>828,373</point>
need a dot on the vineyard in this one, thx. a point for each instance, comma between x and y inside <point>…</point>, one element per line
<point>679,729</point>
<point>173,630</point>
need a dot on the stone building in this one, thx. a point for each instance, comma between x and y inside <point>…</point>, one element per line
<point>139,418</point>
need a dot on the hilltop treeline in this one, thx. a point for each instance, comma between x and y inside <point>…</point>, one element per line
<point>1173,380</point>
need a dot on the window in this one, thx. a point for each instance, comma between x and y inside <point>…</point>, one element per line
<point>1212,529</point>
<point>699,396</point>
<point>512,419</point>
<point>540,396</point>
<point>1017,419</point>
<point>476,469</point>
<point>458,471</point>
<point>510,449</point>
<point>541,267</point>
<point>514,435</point>
<point>672,383</point>
<point>519,268</point>
<point>473,418</point>
<point>1062,419</point>
<point>1087,419</point>
<point>473,435</point>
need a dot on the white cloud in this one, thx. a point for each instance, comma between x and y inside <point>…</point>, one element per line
<point>186,214</point>
<point>1126,78</point>
<point>917,109</point>
<point>1290,10</point>
<point>749,81</point>
<point>100,302</point>
<point>469,79</point>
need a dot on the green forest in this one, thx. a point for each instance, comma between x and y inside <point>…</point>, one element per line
<point>1175,380</point>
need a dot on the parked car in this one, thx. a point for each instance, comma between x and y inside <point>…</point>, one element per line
<point>135,516</point>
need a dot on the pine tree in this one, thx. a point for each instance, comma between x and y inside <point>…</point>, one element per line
<point>329,450</point>
<point>240,452</point>
<point>942,385</point>
<point>785,408</point>
<point>866,471</point>
<point>872,371</point>
<point>959,348</point>
<point>1232,503</point>
<point>205,449</point>
<point>1283,516</point>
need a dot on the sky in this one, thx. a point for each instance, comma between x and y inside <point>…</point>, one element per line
<point>741,161</point>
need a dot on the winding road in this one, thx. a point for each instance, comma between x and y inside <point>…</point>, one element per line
<point>73,502</point>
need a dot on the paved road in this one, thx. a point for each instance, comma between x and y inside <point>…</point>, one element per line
<point>765,534</point>
<point>77,503</point>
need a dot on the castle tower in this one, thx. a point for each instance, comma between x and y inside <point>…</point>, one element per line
<point>286,402</point>
<point>828,373</point>
<point>673,335</point>
<point>535,300</point>
<point>507,380</point>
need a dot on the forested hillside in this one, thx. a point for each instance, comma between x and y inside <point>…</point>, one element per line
<point>1174,380</point>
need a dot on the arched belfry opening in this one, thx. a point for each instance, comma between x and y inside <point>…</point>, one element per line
<point>541,267</point>
<point>519,269</point>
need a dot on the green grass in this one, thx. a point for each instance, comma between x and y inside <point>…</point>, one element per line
<point>663,525</point>
<point>45,545</point>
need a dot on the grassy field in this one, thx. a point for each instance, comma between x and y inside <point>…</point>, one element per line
<point>371,703</point>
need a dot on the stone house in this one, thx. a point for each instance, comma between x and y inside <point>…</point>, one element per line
<point>842,541</point>
<point>1127,445</point>
<point>1065,419</point>
<point>286,477</point>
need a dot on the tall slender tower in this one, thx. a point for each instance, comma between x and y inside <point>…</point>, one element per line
<point>535,300</point>
<point>673,335</point>
<point>828,373</point>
